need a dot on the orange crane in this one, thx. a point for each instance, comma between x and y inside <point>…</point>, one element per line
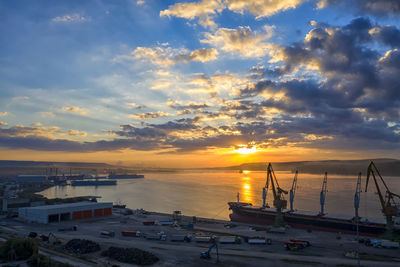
<point>388,203</point>
<point>279,201</point>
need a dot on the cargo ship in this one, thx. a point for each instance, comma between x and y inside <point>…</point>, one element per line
<point>93,182</point>
<point>247,213</point>
<point>125,176</point>
<point>279,215</point>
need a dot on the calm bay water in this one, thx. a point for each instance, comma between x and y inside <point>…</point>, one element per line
<point>205,194</point>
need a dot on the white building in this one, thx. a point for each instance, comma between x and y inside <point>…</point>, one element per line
<point>65,212</point>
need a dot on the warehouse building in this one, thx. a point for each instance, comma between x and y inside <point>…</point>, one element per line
<point>65,212</point>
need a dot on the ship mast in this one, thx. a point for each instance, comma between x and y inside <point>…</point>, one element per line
<point>293,191</point>
<point>322,195</point>
<point>356,206</point>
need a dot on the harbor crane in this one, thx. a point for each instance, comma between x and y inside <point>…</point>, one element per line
<point>390,207</point>
<point>279,201</point>
<point>356,206</point>
<point>292,191</point>
<point>322,195</point>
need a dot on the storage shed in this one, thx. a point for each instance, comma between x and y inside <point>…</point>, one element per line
<point>65,212</point>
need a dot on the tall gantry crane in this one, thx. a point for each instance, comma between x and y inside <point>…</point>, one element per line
<point>292,191</point>
<point>279,201</point>
<point>357,195</point>
<point>322,195</point>
<point>356,206</point>
<point>388,203</point>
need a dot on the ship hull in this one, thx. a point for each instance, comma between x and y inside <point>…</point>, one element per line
<point>251,215</point>
<point>126,176</point>
<point>96,183</point>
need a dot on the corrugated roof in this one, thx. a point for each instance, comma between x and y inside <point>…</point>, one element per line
<point>69,205</point>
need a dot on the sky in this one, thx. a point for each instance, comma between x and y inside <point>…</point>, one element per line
<point>204,83</point>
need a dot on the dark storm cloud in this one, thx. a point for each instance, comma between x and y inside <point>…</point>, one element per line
<point>356,76</point>
<point>388,35</point>
<point>357,97</point>
<point>374,7</point>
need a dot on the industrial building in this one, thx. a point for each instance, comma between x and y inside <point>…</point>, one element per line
<point>65,212</point>
<point>31,179</point>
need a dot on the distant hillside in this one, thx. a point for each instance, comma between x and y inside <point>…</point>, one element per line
<point>14,163</point>
<point>11,168</point>
<point>388,167</point>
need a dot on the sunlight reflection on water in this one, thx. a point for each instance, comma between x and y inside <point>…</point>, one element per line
<point>206,194</point>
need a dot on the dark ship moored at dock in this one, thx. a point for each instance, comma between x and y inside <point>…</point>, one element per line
<point>279,215</point>
<point>247,213</point>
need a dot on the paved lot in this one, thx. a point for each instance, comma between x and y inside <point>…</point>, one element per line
<point>326,249</point>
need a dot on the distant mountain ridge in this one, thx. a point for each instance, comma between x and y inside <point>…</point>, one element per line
<point>389,167</point>
<point>16,163</point>
<point>386,166</point>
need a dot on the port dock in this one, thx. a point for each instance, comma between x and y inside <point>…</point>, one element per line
<point>165,240</point>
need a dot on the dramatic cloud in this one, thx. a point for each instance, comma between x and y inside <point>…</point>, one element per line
<point>176,105</point>
<point>356,89</point>
<point>204,11</point>
<point>255,74</point>
<point>165,56</point>
<point>242,41</point>
<point>149,115</point>
<point>23,131</point>
<point>262,8</point>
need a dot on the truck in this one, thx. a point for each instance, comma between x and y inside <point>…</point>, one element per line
<point>155,236</point>
<point>202,239</point>
<point>165,223</point>
<point>180,238</point>
<point>230,240</point>
<point>296,244</point>
<point>107,233</point>
<point>256,240</point>
<point>131,233</point>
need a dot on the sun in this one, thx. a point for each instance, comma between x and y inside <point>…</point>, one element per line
<point>244,149</point>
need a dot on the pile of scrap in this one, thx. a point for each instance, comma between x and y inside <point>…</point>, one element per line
<point>130,255</point>
<point>82,246</point>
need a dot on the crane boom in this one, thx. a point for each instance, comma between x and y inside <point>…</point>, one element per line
<point>292,192</point>
<point>323,193</point>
